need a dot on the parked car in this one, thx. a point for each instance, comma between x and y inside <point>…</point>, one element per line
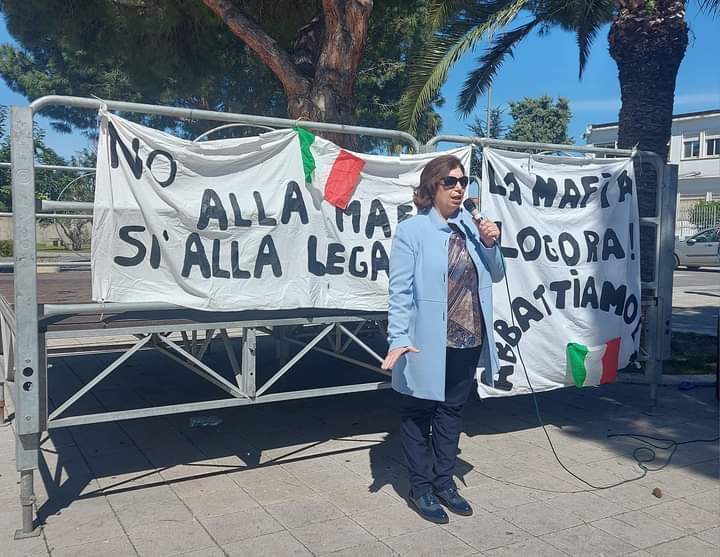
<point>699,250</point>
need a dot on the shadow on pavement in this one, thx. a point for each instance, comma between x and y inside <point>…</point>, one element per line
<point>348,440</point>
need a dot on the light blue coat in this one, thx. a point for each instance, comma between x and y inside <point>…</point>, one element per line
<point>417,309</point>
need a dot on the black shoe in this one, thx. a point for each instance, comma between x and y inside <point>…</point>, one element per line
<point>454,501</point>
<point>427,506</point>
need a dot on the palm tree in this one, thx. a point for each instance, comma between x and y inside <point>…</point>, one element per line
<point>647,40</point>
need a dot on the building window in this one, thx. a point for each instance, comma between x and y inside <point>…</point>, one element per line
<point>691,149</point>
<point>712,146</point>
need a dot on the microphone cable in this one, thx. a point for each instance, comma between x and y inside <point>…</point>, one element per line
<point>642,455</point>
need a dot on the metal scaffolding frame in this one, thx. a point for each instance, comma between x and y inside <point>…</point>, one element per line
<point>26,326</point>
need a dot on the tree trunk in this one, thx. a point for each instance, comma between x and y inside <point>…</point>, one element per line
<point>330,94</point>
<point>647,41</point>
<point>319,76</point>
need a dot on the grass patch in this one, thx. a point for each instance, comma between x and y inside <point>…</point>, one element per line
<point>59,248</point>
<point>691,354</point>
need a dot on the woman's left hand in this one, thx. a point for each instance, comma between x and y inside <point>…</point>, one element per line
<point>489,232</point>
<point>394,355</point>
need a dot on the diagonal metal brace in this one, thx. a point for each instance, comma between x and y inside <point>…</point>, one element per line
<point>348,342</point>
<point>95,380</point>
<point>295,359</point>
<point>199,367</point>
<point>343,358</point>
<point>360,343</point>
<point>209,335</point>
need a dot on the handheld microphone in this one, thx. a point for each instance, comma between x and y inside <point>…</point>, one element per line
<point>472,208</point>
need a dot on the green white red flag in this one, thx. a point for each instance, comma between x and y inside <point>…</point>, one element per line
<point>593,365</point>
<point>345,169</point>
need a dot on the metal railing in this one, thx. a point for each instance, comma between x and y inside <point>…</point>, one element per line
<point>28,317</point>
<point>191,113</point>
<point>696,215</point>
<point>27,345</point>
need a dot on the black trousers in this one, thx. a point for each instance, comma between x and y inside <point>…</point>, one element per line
<point>430,430</point>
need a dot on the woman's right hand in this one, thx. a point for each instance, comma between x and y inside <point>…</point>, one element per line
<point>394,355</point>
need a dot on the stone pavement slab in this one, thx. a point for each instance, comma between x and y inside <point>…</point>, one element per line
<point>541,518</point>
<point>163,539</point>
<point>115,547</point>
<point>429,543</point>
<point>391,521</point>
<point>684,546</point>
<point>532,547</point>
<point>332,535</point>
<point>712,536</point>
<point>216,503</point>
<point>81,523</point>
<point>486,531</point>
<point>376,549</point>
<point>281,544</point>
<point>294,513</point>
<point>233,527</point>
<point>688,518</point>
<point>587,540</point>
<point>638,529</point>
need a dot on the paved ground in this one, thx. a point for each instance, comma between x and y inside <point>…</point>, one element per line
<point>696,301</point>
<point>324,476</point>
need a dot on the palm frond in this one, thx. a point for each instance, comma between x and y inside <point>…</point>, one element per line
<point>488,64</point>
<point>429,71</point>
<point>441,11</point>
<point>585,38</point>
<point>589,17</point>
<point>710,6</point>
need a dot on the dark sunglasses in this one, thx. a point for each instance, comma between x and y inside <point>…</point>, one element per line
<point>450,182</point>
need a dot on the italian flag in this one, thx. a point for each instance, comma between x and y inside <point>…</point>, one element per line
<point>593,365</point>
<point>344,167</point>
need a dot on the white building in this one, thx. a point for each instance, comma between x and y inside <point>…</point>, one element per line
<point>694,146</point>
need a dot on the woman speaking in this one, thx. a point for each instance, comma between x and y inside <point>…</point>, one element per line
<point>442,266</point>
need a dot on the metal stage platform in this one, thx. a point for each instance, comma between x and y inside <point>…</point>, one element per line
<point>184,336</point>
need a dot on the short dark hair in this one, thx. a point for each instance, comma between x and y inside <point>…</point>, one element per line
<point>430,178</point>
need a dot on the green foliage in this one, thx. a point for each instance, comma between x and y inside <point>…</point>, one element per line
<point>6,248</point>
<point>478,127</point>
<point>540,120</point>
<point>163,52</point>
<point>49,184</point>
<point>397,29</point>
<point>692,353</point>
<point>458,26</point>
<point>178,53</point>
<point>705,214</point>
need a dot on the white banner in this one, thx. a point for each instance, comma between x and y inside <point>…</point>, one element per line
<point>570,239</point>
<point>231,224</point>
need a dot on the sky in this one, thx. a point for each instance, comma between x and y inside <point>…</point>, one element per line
<point>542,65</point>
<point>549,65</point>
